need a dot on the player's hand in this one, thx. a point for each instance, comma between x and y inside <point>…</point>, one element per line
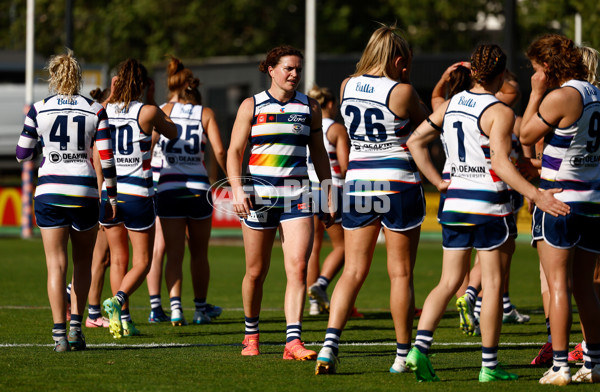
<point>546,202</point>
<point>442,186</point>
<point>241,203</point>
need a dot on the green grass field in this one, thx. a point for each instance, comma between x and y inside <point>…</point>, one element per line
<point>207,357</point>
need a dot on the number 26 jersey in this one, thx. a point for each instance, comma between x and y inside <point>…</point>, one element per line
<point>378,152</point>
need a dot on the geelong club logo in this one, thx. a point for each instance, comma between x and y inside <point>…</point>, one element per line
<point>54,157</point>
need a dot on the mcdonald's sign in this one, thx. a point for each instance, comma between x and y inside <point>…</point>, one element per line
<point>10,206</point>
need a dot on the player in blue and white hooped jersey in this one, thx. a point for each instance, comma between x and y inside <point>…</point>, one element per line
<point>131,124</point>
<point>568,119</point>
<point>279,124</point>
<point>382,187</point>
<point>337,144</point>
<point>457,78</point>
<point>477,213</point>
<point>66,126</point>
<point>184,196</point>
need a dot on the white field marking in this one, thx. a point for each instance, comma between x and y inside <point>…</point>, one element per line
<point>179,345</point>
<point>449,310</point>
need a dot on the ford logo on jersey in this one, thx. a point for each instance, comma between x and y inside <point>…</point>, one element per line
<point>301,118</point>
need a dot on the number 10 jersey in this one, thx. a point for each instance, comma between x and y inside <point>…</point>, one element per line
<point>132,151</point>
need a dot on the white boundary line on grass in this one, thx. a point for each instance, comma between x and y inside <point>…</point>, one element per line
<point>180,345</point>
<point>450,309</point>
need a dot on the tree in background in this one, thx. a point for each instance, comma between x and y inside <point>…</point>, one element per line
<point>108,31</point>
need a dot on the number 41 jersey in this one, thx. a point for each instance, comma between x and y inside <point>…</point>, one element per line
<point>476,194</point>
<point>67,128</point>
<point>378,153</point>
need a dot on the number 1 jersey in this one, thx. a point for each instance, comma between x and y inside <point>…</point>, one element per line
<point>476,194</point>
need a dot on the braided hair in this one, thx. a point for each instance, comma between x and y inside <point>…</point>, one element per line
<point>487,62</point>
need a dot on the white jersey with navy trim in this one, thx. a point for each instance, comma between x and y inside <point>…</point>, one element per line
<point>336,174</point>
<point>476,194</point>
<point>571,159</point>
<point>156,163</point>
<point>183,169</point>
<point>67,128</point>
<point>278,138</point>
<point>131,148</point>
<point>378,138</point>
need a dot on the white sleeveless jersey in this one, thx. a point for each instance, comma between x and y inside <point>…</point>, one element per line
<point>156,163</point>
<point>183,168</point>
<point>278,138</point>
<point>336,173</point>
<point>67,129</point>
<point>475,195</point>
<point>571,159</point>
<point>378,138</point>
<point>132,151</point>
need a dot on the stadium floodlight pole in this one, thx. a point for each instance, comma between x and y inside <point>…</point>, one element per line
<point>310,52</point>
<point>27,169</point>
<point>578,29</point>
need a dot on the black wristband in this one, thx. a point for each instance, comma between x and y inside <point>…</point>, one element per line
<point>435,126</point>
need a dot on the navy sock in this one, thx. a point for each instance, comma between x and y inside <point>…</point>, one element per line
<point>323,282</point>
<point>200,304</point>
<point>121,297</point>
<point>156,303</point>
<point>472,294</point>
<point>559,359</point>
<point>423,340</point>
<point>489,357</point>
<point>402,350</point>
<point>75,324</point>
<point>293,332</point>
<point>506,305</point>
<point>251,325</point>
<point>94,311</point>
<point>332,339</point>
<point>59,331</point>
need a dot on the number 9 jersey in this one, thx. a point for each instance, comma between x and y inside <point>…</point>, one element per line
<point>571,158</point>
<point>378,138</point>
